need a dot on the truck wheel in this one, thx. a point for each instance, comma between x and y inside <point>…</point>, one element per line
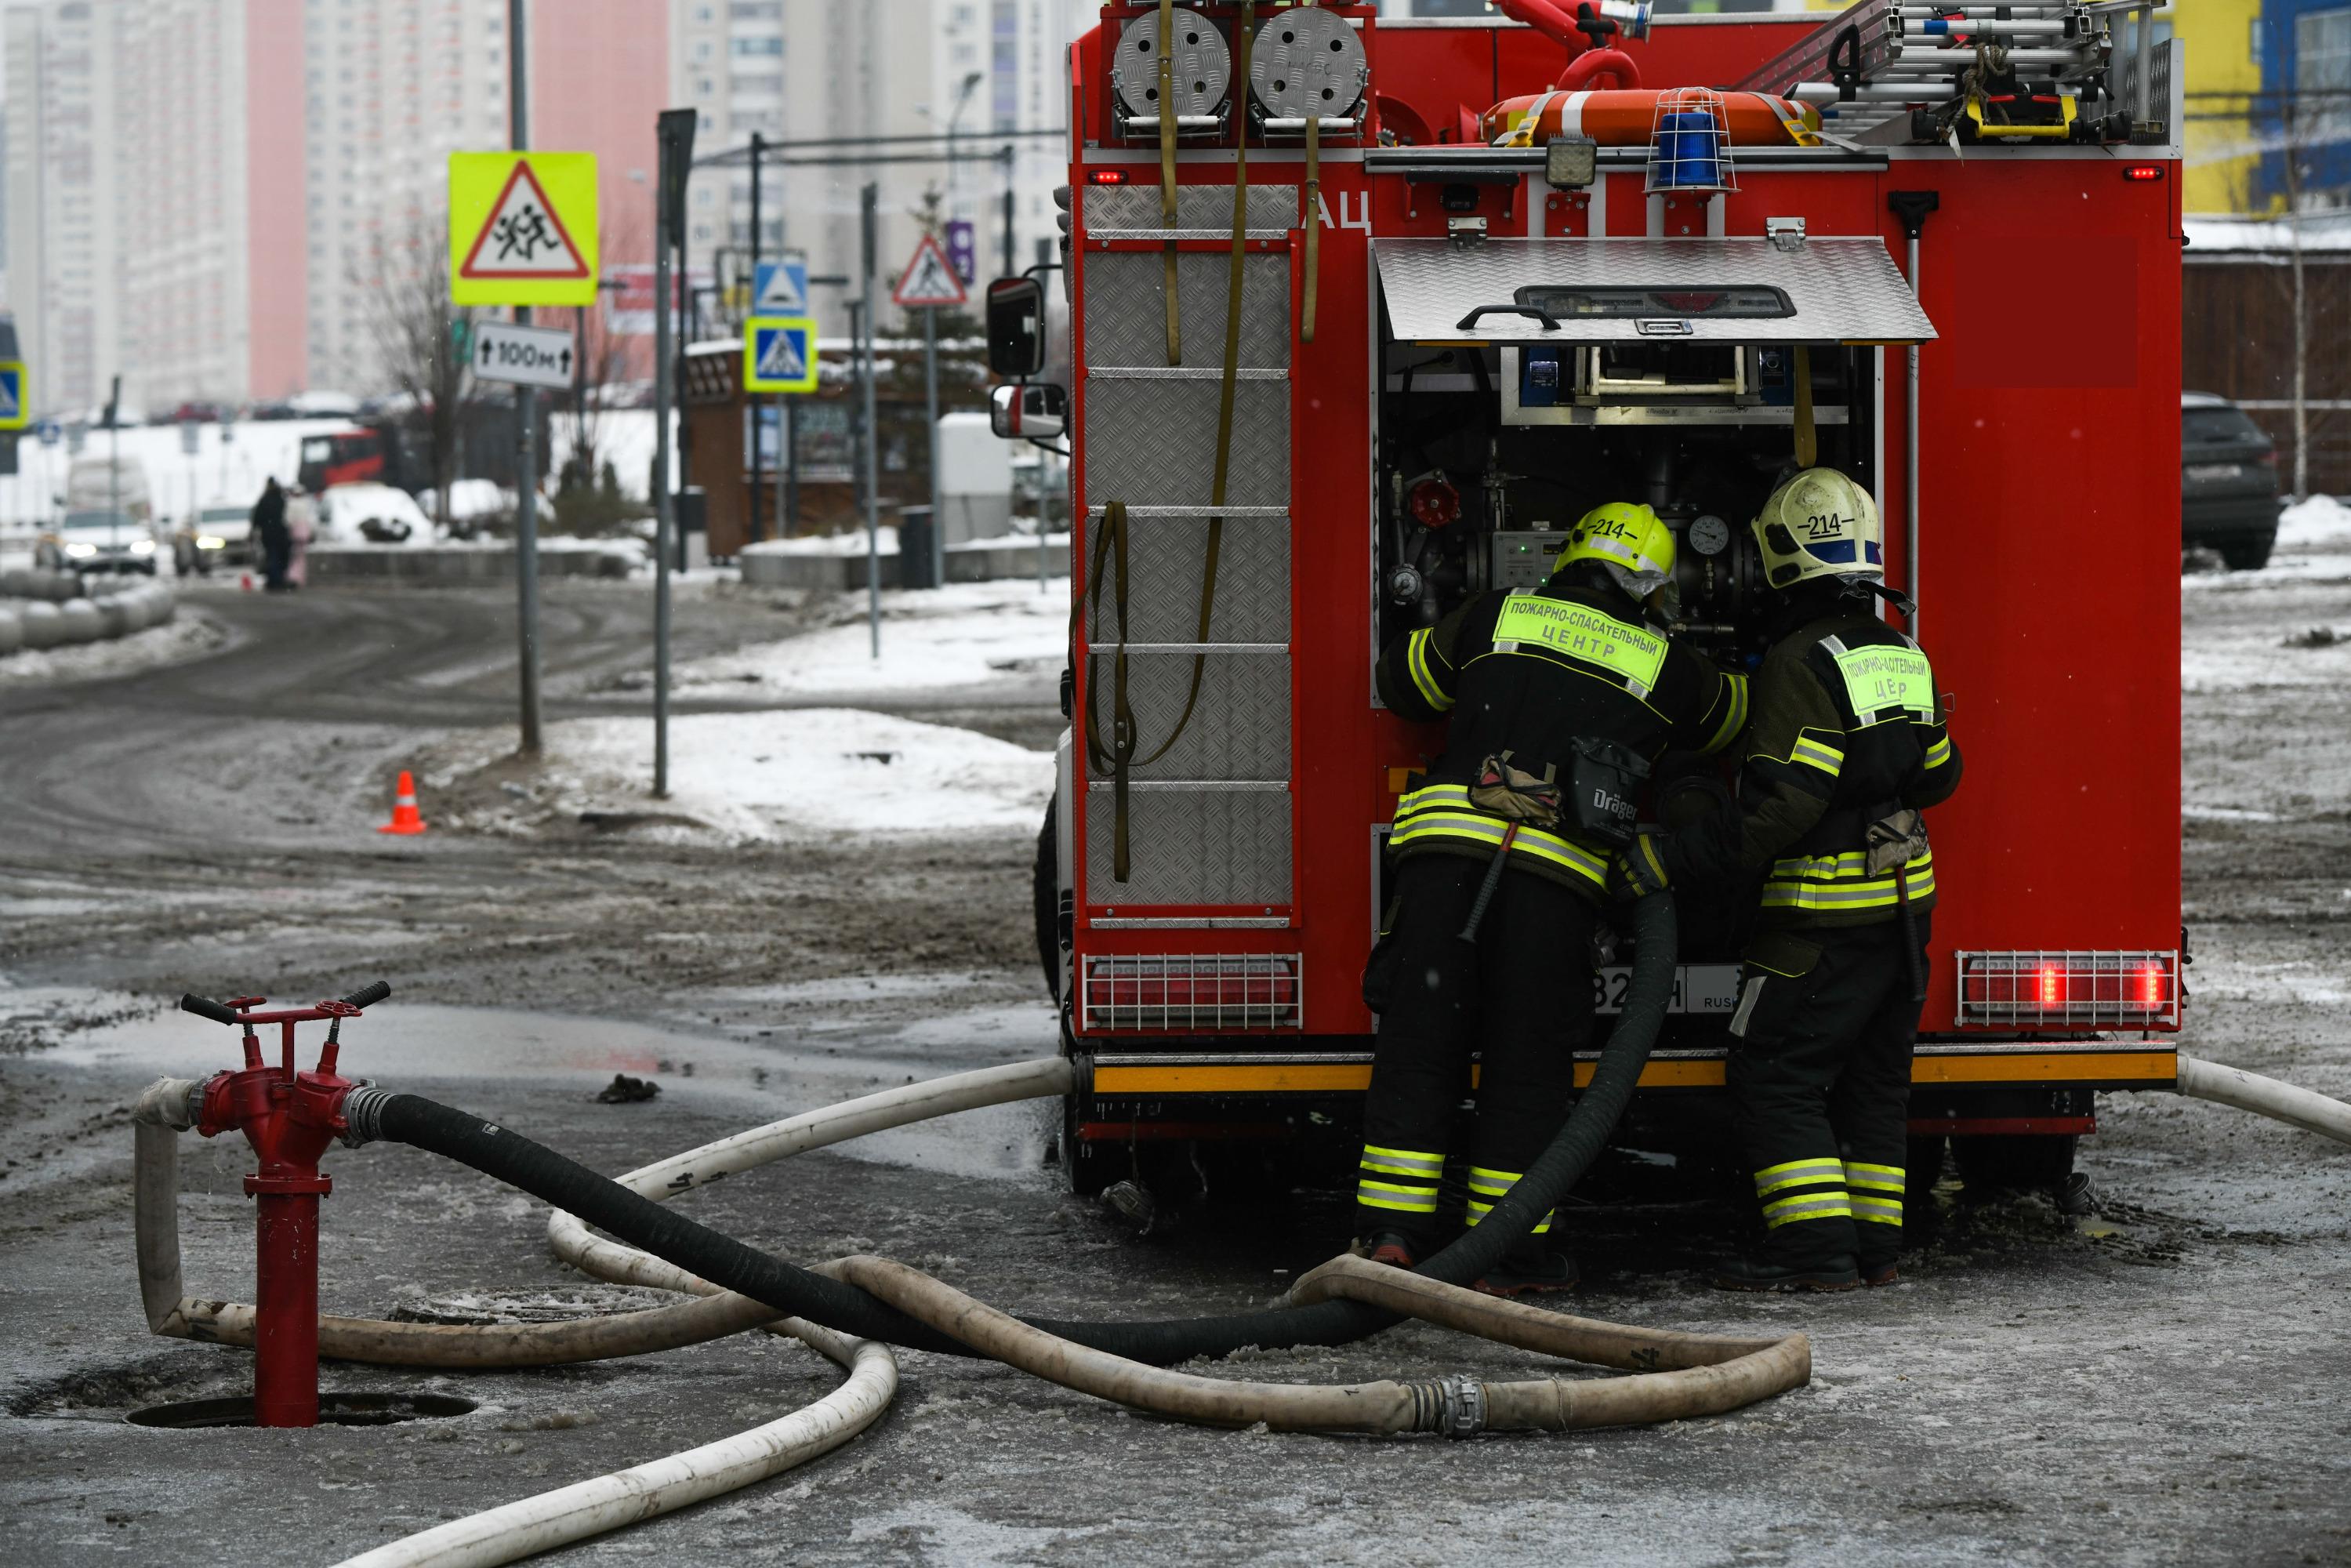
<point>2015,1162</point>
<point>1046,895</point>
<point>2247,555</point>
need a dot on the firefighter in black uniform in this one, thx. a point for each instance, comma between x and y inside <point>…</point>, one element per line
<point>1559,699</point>
<point>1846,748</point>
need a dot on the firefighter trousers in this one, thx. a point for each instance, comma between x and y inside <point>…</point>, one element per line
<point>1521,997</point>
<point>1820,1090</point>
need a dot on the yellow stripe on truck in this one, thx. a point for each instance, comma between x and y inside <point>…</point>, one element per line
<point>1355,1077</point>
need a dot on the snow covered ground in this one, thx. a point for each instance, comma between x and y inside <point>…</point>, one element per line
<point>965,634</point>
<point>2307,642</point>
<point>804,775</point>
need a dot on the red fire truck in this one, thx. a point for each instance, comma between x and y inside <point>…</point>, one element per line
<point>1491,273</point>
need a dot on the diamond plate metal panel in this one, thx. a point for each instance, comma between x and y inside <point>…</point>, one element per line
<point>1842,289</point>
<point>1126,318</point>
<point>1165,556</point>
<point>1132,212</point>
<point>1239,729</point>
<point>1191,846</point>
<point>1156,441</point>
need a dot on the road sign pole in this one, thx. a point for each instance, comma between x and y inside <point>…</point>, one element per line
<point>526,417</point>
<point>758,145</point>
<point>930,412</point>
<point>676,140</point>
<point>789,497</point>
<point>866,202</point>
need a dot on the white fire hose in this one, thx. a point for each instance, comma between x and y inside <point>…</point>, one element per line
<point>1708,1373</point>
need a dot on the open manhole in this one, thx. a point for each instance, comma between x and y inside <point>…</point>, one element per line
<point>334,1410</point>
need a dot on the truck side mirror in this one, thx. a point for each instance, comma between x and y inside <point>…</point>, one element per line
<point>1016,327</point>
<point>1036,412</point>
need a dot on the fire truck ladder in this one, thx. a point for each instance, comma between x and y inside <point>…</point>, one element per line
<point>1962,70</point>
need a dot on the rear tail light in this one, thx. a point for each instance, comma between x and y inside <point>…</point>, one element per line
<point>2060,988</point>
<point>1111,176</point>
<point>1188,992</point>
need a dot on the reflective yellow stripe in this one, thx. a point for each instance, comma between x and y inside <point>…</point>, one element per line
<point>1433,795</point>
<point>1877,1210</point>
<point>1396,1195</point>
<point>1647,850</point>
<point>1851,866</point>
<point>1402,1162</point>
<point>1806,1206</point>
<point>1491,1184</point>
<point>1877,894</point>
<point>1817,753</point>
<point>1735,720</point>
<point>1941,752</point>
<point>1417,826</point>
<point>1877,1179</point>
<point>1798,1173</point>
<point>1415,661</point>
<point>1479,1211</point>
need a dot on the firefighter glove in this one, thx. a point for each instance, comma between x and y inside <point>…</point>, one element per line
<point>1639,868</point>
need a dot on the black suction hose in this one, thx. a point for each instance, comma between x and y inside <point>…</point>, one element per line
<point>500,1152</point>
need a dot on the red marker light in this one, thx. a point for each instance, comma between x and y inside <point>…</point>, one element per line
<point>2049,982</point>
<point>1107,176</point>
<point>2143,173</point>
<point>2150,986</point>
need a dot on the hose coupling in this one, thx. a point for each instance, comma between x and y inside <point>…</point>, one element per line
<point>1455,1405</point>
<point>172,1102</point>
<point>1465,1406</point>
<point>363,1113</point>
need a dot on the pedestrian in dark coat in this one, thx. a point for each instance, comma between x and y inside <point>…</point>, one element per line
<point>276,539</point>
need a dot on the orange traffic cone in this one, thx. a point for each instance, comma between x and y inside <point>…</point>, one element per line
<point>404,816</point>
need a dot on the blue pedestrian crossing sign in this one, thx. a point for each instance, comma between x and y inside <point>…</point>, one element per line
<point>780,354</point>
<point>15,412</point>
<point>780,287</point>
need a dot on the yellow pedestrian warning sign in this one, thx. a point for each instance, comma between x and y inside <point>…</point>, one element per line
<point>522,228</point>
<point>780,354</point>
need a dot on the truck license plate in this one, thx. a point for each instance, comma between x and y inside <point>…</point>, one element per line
<point>2215,470</point>
<point>1697,989</point>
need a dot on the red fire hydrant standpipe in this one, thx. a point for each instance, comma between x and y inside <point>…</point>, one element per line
<point>289,1118</point>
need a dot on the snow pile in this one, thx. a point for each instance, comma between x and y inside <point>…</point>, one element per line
<point>188,636</point>
<point>803,774</point>
<point>964,634</point>
<point>2314,524</point>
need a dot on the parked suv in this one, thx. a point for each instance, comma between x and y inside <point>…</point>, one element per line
<point>2227,481</point>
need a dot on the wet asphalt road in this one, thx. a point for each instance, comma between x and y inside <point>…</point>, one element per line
<point>2168,1381</point>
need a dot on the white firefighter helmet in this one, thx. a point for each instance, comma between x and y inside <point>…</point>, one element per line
<point>1820,524</point>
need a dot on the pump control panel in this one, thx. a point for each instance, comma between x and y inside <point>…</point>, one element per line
<point>1523,558</point>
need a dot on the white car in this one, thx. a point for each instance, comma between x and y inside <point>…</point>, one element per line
<point>220,534</point>
<point>367,514</point>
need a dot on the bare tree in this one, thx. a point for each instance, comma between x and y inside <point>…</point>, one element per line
<point>405,280</point>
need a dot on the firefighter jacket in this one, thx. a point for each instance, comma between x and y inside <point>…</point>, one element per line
<point>1529,675</point>
<point>1847,730</point>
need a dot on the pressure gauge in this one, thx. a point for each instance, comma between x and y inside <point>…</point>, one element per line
<point>1709,535</point>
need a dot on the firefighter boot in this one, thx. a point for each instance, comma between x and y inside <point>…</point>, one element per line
<point>1884,1272</point>
<point>1530,1267</point>
<point>1392,1248</point>
<point>1764,1274</point>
